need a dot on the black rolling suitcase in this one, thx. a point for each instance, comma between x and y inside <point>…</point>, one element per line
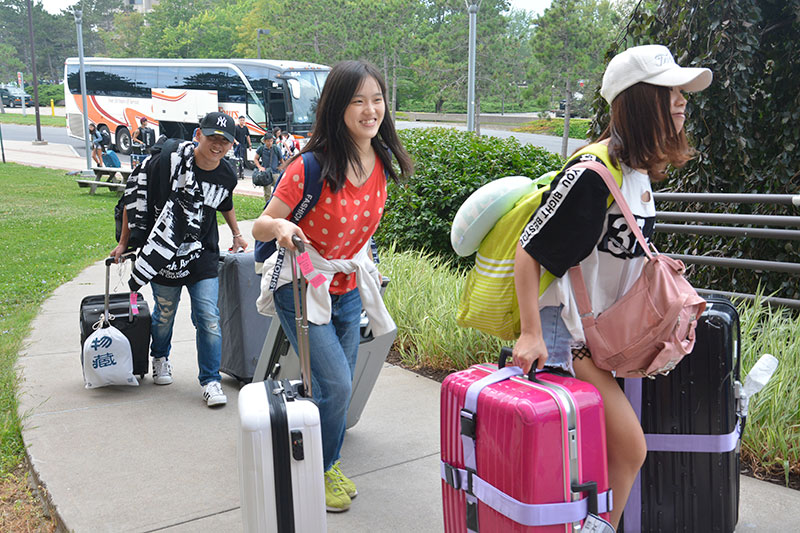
<point>133,323</point>
<point>690,479</point>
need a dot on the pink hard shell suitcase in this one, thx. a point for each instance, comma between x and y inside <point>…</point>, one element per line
<point>521,455</point>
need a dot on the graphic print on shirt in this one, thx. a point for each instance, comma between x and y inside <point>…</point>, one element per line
<point>552,202</point>
<point>214,194</point>
<point>620,241</point>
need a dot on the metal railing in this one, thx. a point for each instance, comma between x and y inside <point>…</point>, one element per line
<point>698,224</point>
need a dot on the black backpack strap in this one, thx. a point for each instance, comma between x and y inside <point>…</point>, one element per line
<point>312,189</point>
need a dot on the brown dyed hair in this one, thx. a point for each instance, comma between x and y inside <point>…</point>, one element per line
<point>641,131</point>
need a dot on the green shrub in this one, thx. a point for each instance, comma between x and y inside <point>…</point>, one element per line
<point>47,93</point>
<point>449,166</point>
<point>578,127</point>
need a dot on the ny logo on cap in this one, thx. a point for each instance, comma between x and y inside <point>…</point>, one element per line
<point>222,121</point>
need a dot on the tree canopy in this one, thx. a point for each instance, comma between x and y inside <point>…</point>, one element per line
<point>745,126</point>
<point>420,45</point>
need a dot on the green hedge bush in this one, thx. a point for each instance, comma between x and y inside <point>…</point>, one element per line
<point>449,166</point>
<point>46,93</point>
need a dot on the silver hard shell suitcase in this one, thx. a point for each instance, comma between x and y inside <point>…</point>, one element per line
<point>278,361</point>
<point>280,447</point>
<point>243,327</point>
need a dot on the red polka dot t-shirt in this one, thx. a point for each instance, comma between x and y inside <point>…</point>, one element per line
<point>342,222</point>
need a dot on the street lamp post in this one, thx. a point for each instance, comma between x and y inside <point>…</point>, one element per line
<point>88,172</point>
<point>259,33</point>
<point>473,20</point>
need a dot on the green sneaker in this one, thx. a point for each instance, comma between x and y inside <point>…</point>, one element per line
<point>348,485</point>
<point>336,498</point>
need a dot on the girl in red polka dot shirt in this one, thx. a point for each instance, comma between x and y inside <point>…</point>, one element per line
<point>354,146</point>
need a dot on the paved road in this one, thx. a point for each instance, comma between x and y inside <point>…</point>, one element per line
<point>17,132</point>
<point>548,142</point>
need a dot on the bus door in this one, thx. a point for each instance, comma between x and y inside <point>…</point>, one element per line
<point>275,97</point>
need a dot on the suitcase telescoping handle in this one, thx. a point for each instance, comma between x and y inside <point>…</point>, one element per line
<point>110,261</point>
<point>301,316</point>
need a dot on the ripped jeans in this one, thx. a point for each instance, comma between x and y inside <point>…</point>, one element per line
<point>205,317</point>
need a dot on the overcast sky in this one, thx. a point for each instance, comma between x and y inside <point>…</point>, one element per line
<point>537,7</point>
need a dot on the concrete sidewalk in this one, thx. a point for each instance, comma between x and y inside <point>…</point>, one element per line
<point>153,458</point>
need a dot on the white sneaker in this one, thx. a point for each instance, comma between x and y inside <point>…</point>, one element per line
<point>213,395</point>
<point>162,371</point>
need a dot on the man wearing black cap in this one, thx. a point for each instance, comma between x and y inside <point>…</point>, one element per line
<point>171,202</point>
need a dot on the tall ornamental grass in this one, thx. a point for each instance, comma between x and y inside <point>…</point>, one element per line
<point>423,298</point>
<point>771,443</point>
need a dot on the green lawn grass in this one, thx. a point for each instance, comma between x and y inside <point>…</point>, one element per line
<point>45,119</point>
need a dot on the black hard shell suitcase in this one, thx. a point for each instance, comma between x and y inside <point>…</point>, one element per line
<point>691,491</point>
<point>243,327</point>
<point>136,328</point>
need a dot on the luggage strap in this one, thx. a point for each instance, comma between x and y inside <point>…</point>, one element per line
<point>527,514</point>
<point>478,489</point>
<point>677,442</point>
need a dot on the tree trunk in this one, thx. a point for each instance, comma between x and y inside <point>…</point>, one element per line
<point>394,86</point>
<point>439,104</point>
<point>565,138</point>
<point>385,66</point>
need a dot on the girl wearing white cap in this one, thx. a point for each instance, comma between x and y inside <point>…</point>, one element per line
<point>644,87</point>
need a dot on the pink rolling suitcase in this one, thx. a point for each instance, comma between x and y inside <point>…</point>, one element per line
<point>521,454</point>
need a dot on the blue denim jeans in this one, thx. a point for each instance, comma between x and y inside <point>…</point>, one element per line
<point>205,317</point>
<point>557,338</point>
<point>334,350</point>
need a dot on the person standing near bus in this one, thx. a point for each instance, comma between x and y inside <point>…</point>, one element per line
<point>354,146</point>
<point>97,144</point>
<point>242,139</point>
<point>170,214</point>
<point>144,136</point>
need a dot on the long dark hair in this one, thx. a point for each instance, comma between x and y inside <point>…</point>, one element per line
<point>330,139</point>
<point>642,133</point>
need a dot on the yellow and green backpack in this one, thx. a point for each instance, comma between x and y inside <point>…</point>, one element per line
<point>489,298</point>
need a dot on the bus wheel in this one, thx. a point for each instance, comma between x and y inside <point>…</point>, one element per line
<point>123,143</point>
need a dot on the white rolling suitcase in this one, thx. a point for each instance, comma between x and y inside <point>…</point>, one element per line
<point>280,447</point>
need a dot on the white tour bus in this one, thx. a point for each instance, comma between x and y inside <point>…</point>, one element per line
<point>174,93</point>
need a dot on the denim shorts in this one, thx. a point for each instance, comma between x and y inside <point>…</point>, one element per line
<point>557,338</point>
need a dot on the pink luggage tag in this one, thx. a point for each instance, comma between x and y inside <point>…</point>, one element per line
<point>134,303</point>
<point>306,267</point>
<point>317,280</point>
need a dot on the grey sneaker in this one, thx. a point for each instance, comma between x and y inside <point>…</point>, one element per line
<point>213,395</point>
<point>162,371</point>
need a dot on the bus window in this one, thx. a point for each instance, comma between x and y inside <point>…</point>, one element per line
<point>256,111</point>
<point>146,78</point>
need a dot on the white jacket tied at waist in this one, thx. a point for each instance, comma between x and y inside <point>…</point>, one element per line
<point>368,281</point>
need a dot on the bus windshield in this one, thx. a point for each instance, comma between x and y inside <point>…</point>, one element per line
<point>304,89</point>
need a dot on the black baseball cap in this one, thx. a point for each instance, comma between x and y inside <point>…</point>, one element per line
<point>217,123</point>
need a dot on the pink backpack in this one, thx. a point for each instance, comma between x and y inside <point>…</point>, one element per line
<point>651,328</point>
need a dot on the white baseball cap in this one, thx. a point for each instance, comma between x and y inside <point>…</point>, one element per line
<point>652,64</point>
